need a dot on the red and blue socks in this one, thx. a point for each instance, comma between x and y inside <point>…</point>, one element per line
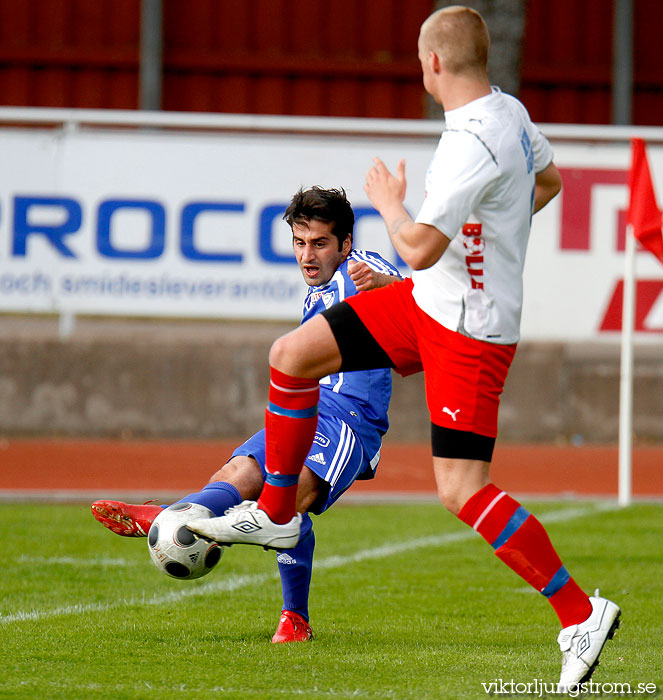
<point>291,419</point>
<point>522,543</point>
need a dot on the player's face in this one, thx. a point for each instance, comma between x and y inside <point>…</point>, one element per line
<point>316,251</point>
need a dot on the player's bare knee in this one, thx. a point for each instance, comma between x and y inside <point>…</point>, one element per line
<point>291,354</point>
<point>310,351</point>
<point>244,474</point>
<point>450,499</point>
<point>226,473</point>
<point>280,353</point>
<point>458,480</point>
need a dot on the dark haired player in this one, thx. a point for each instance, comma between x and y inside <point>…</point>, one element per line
<point>349,425</point>
<point>459,317</point>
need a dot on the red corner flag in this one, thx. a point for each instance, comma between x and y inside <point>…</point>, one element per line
<point>643,212</point>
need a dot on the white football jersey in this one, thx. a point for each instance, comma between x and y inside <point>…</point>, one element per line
<point>480,194</point>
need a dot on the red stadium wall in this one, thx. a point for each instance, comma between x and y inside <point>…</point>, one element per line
<point>566,65</point>
<point>346,58</point>
<point>69,53</point>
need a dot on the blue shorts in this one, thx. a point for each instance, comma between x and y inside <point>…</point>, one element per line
<point>336,456</point>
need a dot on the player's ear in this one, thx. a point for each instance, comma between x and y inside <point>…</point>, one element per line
<point>346,246</point>
<point>434,61</point>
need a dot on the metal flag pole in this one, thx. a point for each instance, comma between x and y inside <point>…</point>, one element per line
<point>626,375</point>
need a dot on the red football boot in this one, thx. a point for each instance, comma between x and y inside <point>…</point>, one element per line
<point>292,628</point>
<point>126,519</point>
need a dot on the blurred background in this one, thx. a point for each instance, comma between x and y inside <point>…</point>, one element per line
<point>590,62</point>
<point>346,75</point>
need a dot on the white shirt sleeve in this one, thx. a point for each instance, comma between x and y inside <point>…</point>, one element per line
<point>543,153</point>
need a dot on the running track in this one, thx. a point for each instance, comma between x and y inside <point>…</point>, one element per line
<point>80,470</point>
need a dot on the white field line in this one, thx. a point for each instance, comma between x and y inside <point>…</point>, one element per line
<point>39,684</point>
<point>239,582</point>
<point>74,561</point>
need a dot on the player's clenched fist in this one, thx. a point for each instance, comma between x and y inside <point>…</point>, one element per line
<point>365,277</point>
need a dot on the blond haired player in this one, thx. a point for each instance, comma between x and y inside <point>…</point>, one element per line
<point>458,318</point>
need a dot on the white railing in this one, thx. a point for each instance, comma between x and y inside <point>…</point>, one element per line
<point>220,122</point>
<point>74,118</point>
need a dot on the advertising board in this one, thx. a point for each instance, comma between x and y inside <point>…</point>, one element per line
<point>175,223</point>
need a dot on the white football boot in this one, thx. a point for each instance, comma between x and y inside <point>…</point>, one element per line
<point>247,524</point>
<point>582,644</point>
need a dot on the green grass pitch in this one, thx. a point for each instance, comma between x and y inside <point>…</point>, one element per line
<point>406,603</point>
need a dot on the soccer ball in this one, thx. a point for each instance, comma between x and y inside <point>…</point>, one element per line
<point>175,550</point>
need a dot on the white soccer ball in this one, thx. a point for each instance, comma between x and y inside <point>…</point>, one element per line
<point>175,550</point>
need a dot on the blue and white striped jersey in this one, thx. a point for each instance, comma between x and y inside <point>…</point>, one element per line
<point>361,399</point>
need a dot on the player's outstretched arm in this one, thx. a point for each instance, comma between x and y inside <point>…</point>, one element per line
<point>547,185</point>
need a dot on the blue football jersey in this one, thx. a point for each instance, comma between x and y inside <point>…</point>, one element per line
<point>361,399</point>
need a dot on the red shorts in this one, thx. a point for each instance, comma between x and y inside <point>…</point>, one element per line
<point>464,377</point>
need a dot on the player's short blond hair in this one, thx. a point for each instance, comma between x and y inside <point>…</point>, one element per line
<point>459,36</point>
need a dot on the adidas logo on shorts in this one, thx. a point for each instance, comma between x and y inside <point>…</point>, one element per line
<point>319,458</point>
